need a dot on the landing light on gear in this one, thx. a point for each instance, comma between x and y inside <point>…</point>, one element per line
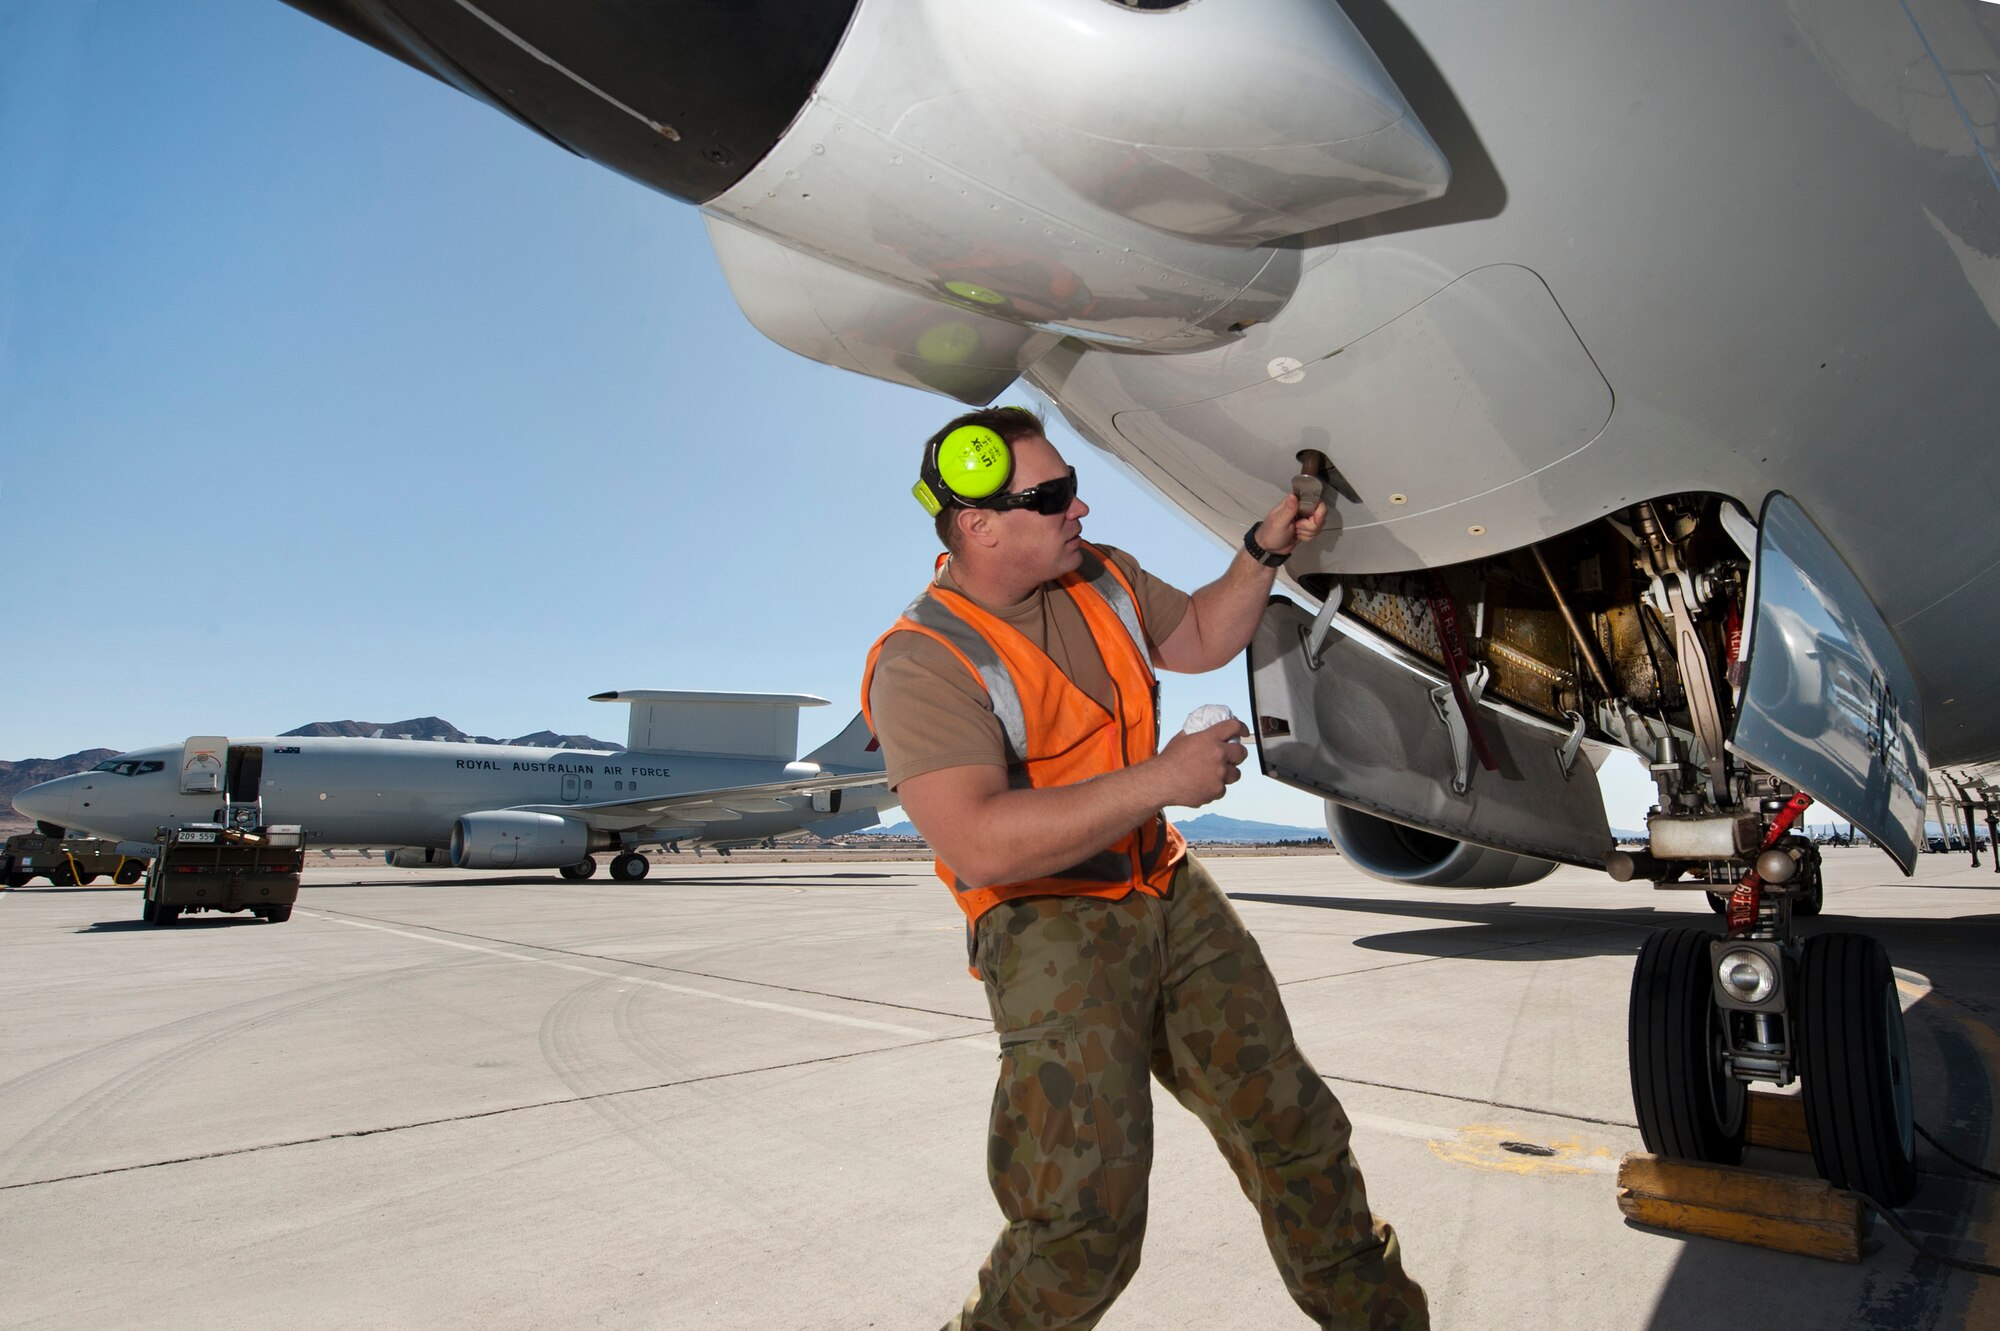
<point>1748,975</point>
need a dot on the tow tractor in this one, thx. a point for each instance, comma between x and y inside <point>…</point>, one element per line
<point>212,866</point>
<point>234,864</point>
<point>70,861</point>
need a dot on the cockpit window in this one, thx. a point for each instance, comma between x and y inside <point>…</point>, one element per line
<point>126,767</point>
<point>150,765</point>
<point>108,765</point>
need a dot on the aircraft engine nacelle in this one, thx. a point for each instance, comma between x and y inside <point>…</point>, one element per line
<point>505,839</point>
<point>418,857</point>
<point>1400,854</point>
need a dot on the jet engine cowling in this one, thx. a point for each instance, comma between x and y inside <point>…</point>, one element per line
<point>505,839</point>
<point>1401,854</point>
<point>418,857</point>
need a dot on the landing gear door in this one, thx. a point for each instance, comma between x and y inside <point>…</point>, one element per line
<point>202,763</point>
<point>1358,727</point>
<point>1830,703</point>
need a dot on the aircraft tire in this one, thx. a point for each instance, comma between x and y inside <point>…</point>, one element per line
<point>1813,900</point>
<point>129,874</point>
<point>1688,1106</point>
<point>1854,1060</point>
<point>630,868</point>
<point>579,871</point>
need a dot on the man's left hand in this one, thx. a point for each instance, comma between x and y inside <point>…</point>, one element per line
<point>1284,528</point>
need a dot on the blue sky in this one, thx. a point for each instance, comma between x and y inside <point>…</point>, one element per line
<point>327,392</point>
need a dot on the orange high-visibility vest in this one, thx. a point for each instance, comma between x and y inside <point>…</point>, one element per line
<point>1056,734</point>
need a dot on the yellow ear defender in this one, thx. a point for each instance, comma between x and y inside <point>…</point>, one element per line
<point>969,464</point>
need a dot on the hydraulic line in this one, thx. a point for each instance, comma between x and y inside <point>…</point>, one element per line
<point>1583,642</point>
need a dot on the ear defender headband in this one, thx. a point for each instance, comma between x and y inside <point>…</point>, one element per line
<point>970,464</point>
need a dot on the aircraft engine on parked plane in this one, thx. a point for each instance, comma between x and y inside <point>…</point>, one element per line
<point>418,857</point>
<point>1401,854</point>
<point>505,839</point>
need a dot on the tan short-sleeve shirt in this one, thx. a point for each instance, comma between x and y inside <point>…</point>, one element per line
<point>930,712</point>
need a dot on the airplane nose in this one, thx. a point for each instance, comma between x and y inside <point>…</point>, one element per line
<point>48,802</point>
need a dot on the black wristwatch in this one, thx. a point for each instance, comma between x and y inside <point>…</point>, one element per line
<point>1258,552</point>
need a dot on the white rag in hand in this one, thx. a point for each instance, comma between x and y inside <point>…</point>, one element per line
<point>1206,715</point>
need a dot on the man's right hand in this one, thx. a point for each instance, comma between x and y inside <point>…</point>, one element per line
<point>1197,768</point>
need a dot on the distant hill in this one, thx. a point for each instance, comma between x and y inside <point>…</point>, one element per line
<point>1218,828</point>
<point>1212,828</point>
<point>432,727</point>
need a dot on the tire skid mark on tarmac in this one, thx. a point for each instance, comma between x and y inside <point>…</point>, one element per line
<point>113,1094</point>
<point>447,938</point>
<point>477,1114</point>
<point>565,1050</point>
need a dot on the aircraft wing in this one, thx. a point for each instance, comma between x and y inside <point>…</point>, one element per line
<point>693,807</point>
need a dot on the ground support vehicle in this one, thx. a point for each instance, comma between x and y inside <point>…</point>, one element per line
<point>67,861</point>
<point>208,866</point>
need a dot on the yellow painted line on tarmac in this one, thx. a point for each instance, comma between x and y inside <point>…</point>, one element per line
<point>1496,1147</point>
<point>1486,1146</point>
<point>626,977</point>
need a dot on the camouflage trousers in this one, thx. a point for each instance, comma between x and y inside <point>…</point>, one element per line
<point>1089,996</point>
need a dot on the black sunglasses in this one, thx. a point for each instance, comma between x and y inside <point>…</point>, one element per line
<point>1048,499</point>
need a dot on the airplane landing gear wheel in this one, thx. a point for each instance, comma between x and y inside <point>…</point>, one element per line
<point>1688,1104</point>
<point>1811,898</point>
<point>630,868</point>
<point>1855,1063</point>
<point>579,871</point>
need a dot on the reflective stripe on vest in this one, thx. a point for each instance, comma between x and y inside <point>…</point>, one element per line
<point>993,674</point>
<point>1101,581</point>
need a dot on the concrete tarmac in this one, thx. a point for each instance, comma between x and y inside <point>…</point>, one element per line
<point>755,1096</point>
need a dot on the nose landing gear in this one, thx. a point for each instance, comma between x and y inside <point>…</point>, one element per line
<point>1709,1015</point>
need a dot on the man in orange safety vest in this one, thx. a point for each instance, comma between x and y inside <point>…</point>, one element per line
<point>1017,710</point>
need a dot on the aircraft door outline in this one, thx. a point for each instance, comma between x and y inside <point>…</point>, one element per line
<point>572,788</point>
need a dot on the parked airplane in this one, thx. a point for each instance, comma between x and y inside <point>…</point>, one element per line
<point>699,769</point>
<point>1646,354</point>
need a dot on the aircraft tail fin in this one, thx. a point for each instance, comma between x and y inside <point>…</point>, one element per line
<point>853,747</point>
<point>734,725</point>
